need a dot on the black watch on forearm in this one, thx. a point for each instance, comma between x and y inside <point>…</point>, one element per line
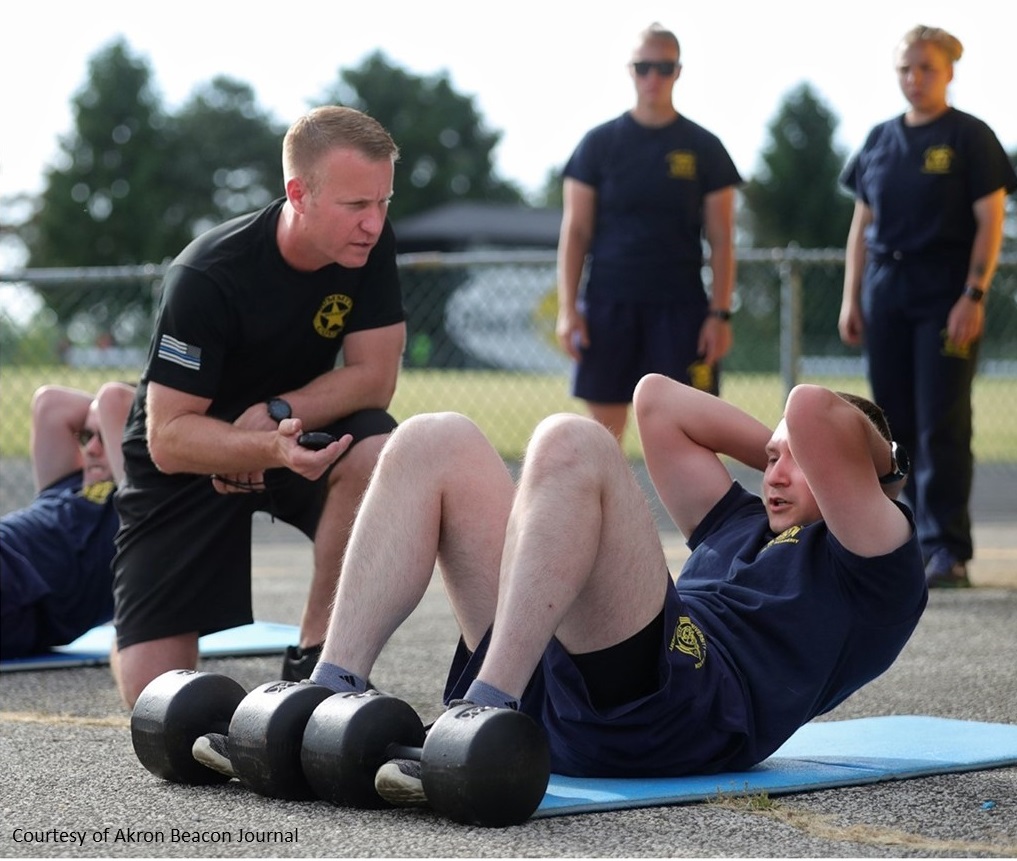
<point>900,463</point>
<point>279,409</point>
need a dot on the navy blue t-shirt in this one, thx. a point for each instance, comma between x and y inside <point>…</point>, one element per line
<point>921,182</point>
<point>801,620</point>
<point>56,576</point>
<point>650,184</point>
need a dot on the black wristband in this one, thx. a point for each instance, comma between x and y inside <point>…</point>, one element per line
<point>975,294</point>
<point>720,313</point>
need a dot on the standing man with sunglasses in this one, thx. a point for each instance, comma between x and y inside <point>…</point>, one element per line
<point>55,554</point>
<point>641,191</point>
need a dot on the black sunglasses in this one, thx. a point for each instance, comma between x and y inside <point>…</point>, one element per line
<point>85,436</point>
<point>664,68</point>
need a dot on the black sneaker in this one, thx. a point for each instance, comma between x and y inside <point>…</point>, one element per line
<point>298,664</point>
<point>212,751</point>
<point>943,571</point>
<point>398,781</point>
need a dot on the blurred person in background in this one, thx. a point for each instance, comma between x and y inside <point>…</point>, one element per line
<point>930,188</point>
<point>640,193</point>
<point>55,577</point>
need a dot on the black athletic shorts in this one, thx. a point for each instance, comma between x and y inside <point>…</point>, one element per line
<point>183,558</point>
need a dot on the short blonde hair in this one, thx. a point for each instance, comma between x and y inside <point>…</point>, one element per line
<point>947,42</point>
<point>659,31</point>
<point>324,129</point>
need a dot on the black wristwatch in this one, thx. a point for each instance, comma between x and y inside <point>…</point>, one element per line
<point>279,409</point>
<point>721,314</point>
<point>975,294</point>
<point>900,463</point>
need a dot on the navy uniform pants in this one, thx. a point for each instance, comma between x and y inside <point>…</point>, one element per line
<point>923,382</point>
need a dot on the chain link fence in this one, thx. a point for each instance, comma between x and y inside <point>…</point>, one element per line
<point>481,342</point>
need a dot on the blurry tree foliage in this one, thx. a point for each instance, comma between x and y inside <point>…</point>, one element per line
<point>796,196</point>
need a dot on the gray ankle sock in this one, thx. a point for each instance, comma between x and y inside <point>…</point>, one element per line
<point>339,679</point>
<point>482,694</point>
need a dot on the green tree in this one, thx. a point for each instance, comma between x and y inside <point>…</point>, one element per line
<point>134,184</point>
<point>229,154</point>
<point>445,150</point>
<point>107,202</point>
<point>796,197</point>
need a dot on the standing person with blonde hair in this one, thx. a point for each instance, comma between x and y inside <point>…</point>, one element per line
<point>930,188</point>
<point>640,193</point>
<point>254,317</point>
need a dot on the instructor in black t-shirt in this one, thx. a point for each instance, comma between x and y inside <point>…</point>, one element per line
<point>244,359</point>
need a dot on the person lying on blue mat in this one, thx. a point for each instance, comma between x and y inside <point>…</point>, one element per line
<point>55,554</point>
<point>791,599</point>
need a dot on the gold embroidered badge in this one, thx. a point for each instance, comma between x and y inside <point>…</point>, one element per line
<point>681,164</point>
<point>938,159</point>
<point>98,492</point>
<point>331,317</point>
<point>788,536</point>
<point>689,640</point>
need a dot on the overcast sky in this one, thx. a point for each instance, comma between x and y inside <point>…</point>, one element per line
<point>542,72</point>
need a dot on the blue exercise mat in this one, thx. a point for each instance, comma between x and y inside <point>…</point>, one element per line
<point>92,648</point>
<point>821,755</point>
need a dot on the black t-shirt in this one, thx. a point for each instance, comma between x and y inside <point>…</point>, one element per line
<point>238,325</point>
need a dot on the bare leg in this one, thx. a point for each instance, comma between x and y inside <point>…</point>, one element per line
<point>135,666</point>
<point>440,493</point>
<point>346,486</point>
<point>612,416</point>
<point>582,560</point>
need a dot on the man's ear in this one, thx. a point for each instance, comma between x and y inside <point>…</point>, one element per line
<point>296,193</point>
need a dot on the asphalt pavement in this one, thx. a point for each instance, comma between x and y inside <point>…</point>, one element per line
<point>69,772</point>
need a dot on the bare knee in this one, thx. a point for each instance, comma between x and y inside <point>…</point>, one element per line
<point>137,665</point>
<point>431,440</point>
<point>572,445</point>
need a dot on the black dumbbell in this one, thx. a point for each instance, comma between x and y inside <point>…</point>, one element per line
<point>265,737</point>
<point>171,712</point>
<point>264,727</point>
<point>479,765</point>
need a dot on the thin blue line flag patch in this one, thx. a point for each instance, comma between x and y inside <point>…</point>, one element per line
<point>186,355</point>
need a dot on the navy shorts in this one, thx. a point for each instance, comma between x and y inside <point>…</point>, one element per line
<point>694,720</point>
<point>631,339</point>
<point>184,557</point>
